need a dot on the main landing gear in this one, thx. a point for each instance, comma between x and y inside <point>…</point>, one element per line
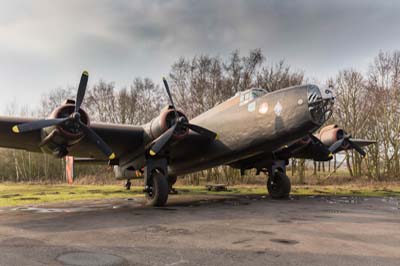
<point>171,182</point>
<point>157,190</point>
<point>156,183</point>
<point>278,183</point>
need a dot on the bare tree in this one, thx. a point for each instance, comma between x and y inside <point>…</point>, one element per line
<point>384,101</point>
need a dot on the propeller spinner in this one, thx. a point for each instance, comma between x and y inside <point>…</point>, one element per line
<point>73,119</point>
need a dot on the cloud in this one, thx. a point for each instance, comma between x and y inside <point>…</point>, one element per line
<point>45,44</point>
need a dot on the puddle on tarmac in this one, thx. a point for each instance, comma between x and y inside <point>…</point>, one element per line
<point>394,202</point>
<point>340,199</point>
<point>36,209</point>
<point>90,258</point>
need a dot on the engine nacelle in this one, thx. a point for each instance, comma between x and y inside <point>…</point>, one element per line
<point>57,139</point>
<point>162,123</point>
<point>330,134</point>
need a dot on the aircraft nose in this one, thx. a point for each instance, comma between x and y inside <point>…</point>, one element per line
<point>326,92</point>
<point>320,103</point>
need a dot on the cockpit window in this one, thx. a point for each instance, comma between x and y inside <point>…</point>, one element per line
<point>258,92</point>
<point>251,94</point>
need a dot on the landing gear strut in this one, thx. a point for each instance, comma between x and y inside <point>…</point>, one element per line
<point>128,184</point>
<point>157,191</point>
<point>278,183</point>
<point>156,183</point>
<point>171,183</point>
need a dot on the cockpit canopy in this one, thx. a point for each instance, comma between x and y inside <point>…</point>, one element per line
<point>320,100</point>
<point>251,94</point>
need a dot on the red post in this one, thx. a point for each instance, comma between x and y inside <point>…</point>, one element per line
<point>69,169</point>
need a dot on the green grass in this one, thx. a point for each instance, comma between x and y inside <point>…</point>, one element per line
<point>24,194</point>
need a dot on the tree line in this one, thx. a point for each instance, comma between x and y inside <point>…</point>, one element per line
<point>367,106</point>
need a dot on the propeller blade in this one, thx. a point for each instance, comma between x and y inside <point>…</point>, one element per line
<point>202,131</point>
<point>357,148</point>
<point>81,90</point>
<point>92,135</point>
<point>170,96</point>
<point>32,126</point>
<point>162,140</point>
<point>336,146</point>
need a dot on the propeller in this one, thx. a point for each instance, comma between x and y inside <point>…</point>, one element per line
<point>346,142</point>
<point>180,123</point>
<point>73,119</point>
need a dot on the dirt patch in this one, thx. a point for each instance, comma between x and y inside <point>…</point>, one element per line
<point>95,191</point>
<point>29,198</point>
<point>10,196</point>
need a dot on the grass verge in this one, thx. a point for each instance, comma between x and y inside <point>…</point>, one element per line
<point>26,194</point>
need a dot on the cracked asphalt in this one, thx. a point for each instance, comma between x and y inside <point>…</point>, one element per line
<point>204,230</point>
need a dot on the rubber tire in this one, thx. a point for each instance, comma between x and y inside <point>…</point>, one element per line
<point>160,189</point>
<point>279,186</point>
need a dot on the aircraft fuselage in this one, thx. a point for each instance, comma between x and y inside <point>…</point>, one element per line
<point>247,128</point>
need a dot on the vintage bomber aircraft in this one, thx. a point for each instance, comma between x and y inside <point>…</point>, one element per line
<point>253,129</point>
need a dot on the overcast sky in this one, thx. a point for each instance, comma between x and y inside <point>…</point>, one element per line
<point>46,44</point>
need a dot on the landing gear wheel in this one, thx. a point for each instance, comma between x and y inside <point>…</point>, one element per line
<point>157,192</point>
<point>171,183</point>
<point>279,186</point>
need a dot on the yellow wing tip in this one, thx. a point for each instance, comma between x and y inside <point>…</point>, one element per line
<point>15,129</point>
<point>85,73</point>
<point>112,156</point>
<point>217,137</point>
<point>152,153</point>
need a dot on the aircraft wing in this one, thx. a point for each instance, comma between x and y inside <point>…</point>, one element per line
<point>29,141</point>
<point>311,148</point>
<point>122,139</point>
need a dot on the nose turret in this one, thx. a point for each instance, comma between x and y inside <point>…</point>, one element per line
<point>320,103</point>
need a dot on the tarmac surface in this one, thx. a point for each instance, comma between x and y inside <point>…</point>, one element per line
<point>204,230</point>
